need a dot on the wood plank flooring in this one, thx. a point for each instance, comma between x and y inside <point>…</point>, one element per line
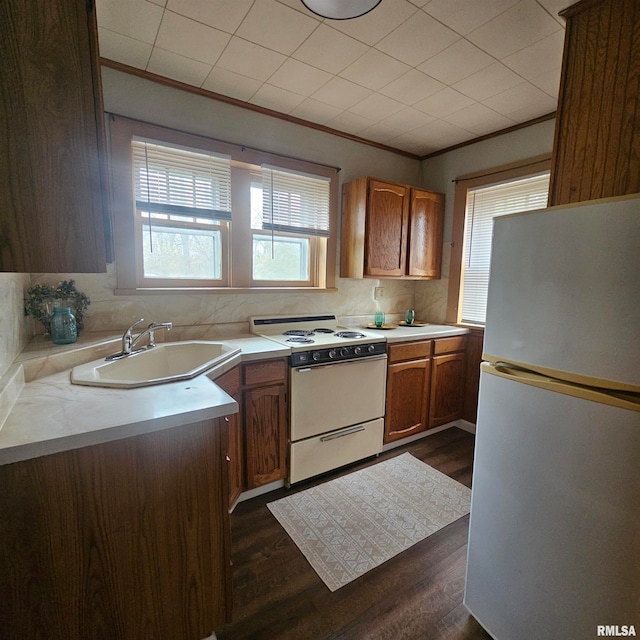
<point>415,596</point>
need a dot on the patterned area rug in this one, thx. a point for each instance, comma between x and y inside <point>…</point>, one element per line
<point>348,526</point>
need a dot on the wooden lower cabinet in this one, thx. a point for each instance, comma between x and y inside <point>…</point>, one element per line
<point>448,374</point>
<point>265,419</point>
<point>408,380</point>
<point>127,539</point>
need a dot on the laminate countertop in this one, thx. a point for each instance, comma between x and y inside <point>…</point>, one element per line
<point>50,414</point>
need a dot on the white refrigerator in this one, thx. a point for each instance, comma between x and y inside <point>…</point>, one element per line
<point>554,534</point>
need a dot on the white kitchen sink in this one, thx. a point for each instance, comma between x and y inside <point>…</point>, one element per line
<point>166,362</point>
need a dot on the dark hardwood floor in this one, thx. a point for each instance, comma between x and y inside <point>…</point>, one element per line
<point>416,595</point>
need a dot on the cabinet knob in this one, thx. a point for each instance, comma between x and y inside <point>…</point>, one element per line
<point>228,459</point>
<point>226,418</point>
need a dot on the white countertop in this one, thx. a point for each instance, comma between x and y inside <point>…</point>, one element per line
<point>51,415</point>
<point>426,332</point>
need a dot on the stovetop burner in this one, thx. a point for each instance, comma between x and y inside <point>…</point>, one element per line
<point>297,332</point>
<point>323,330</point>
<point>300,339</point>
<point>349,334</point>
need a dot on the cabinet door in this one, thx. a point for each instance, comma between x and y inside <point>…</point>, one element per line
<point>51,173</point>
<point>425,234</point>
<point>386,229</point>
<point>407,399</point>
<point>235,455</point>
<point>447,388</point>
<point>265,419</point>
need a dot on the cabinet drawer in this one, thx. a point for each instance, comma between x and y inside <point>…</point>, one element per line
<point>264,372</point>
<point>230,381</point>
<point>410,350</point>
<point>447,345</point>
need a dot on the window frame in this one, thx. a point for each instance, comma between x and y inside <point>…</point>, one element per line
<point>237,274</point>
<point>495,175</point>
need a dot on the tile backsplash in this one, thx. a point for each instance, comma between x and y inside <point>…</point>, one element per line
<point>14,330</point>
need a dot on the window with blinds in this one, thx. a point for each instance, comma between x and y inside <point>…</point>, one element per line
<point>483,205</point>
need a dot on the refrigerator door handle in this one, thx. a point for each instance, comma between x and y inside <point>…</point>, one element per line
<point>603,396</point>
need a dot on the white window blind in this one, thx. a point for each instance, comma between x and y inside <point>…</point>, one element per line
<point>179,181</point>
<point>295,202</point>
<point>483,205</point>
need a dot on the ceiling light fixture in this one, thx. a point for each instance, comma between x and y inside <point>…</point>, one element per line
<point>340,9</point>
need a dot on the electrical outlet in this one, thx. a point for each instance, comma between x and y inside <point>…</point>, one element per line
<point>378,293</point>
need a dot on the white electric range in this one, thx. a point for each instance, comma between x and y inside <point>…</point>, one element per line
<point>337,386</point>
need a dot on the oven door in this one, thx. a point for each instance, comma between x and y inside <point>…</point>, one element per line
<point>328,397</point>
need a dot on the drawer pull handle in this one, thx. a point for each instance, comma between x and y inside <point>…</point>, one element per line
<point>341,434</point>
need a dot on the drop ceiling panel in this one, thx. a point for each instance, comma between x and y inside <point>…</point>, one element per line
<point>420,75</point>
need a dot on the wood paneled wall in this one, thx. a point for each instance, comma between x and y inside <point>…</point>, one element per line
<point>597,141</point>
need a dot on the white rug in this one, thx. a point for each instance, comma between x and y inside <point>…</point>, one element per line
<point>348,526</point>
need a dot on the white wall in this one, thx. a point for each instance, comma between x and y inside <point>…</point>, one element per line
<point>438,174</point>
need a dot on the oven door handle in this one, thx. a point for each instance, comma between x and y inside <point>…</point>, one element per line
<point>342,434</point>
<point>317,367</point>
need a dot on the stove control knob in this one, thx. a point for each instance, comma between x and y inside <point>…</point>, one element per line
<point>344,351</point>
<point>358,350</point>
<point>333,353</point>
<point>316,356</point>
<point>371,348</point>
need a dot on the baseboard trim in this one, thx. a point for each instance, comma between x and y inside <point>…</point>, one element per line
<point>467,426</point>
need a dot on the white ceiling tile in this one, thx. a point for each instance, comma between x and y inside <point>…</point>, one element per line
<point>406,120</point>
<point>276,26</point>
<point>298,6</point>
<point>276,98</point>
<point>341,93</point>
<point>444,102</point>
<point>479,119</point>
<point>543,55</point>
<point>456,62</point>
<point>374,70</point>
<point>123,49</point>
<point>177,67</point>
<point>488,82</point>
<point>225,15</point>
<point>412,87</point>
<point>464,16</point>
<point>555,6</point>
<point>524,96</point>
<point>441,133</point>
<point>375,25</point>
<point>349,122</point>
<point>549,82</point>
<point>134,18</point>
<point>231,84</point>
<point>376,107</point>
<point>315,111</point>
<point>249,59</point>
<point>417,39</point>
<point>161,3</point>
<point>329,49</point>
<point>517,28</point>
<point>381,132</point>
<point>299,77</point>
<point>190,38</point>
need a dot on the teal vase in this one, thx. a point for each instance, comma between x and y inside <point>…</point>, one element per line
<point>63,326</point>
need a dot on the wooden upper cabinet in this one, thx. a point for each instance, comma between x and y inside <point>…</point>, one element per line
<point>52,177</point>
<point>597,141</point>
<point>386,229</point>
<point>425,234</point>
<point>390,231</point>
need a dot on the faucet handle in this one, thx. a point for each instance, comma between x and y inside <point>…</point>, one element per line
<point>127,337</point>
<point>152,328</point>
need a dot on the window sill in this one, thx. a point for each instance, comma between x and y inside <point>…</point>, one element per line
<point>143,291</point>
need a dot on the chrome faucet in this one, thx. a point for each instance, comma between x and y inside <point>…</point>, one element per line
<point>129,342</point>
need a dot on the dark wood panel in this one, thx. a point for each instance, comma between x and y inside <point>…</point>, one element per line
<point>121,540</point>
<point>409,350</point>
<point>51,171</point>
<point>448,374</point>
<point>264,372</point>
<point>597,143</point>
<point>415,596</point>
<point>448,345</point>
<point>472,379</point>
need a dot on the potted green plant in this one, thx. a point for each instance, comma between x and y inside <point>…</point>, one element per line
<point>41,298</point>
